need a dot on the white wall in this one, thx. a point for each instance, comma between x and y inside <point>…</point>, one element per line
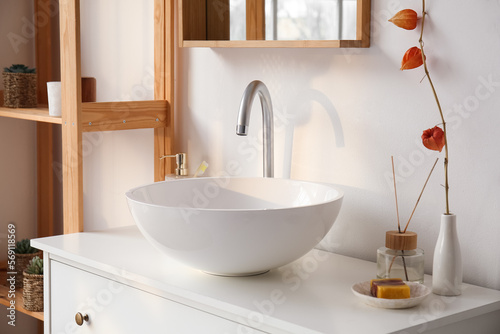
<point>117,49</point>
<point>340,114</point>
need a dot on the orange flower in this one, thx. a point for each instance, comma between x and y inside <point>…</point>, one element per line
<point>434,139</point>
<point>406,19</point>
<point>412,59</point>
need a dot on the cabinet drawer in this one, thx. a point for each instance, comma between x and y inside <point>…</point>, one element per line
<point>113,307</point>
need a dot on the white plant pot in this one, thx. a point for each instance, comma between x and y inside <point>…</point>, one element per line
<point>447,266</point>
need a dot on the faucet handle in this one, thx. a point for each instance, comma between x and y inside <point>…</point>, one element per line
<point>181,161</point>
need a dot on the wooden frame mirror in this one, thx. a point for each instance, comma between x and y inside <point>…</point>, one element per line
<point>206,23</point>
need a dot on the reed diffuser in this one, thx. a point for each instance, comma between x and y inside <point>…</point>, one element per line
<point>401,258</point>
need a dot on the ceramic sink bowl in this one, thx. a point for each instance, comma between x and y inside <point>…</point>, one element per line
<point>234,226</point>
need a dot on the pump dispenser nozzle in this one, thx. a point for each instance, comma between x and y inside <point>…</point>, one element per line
<point>181,160</point>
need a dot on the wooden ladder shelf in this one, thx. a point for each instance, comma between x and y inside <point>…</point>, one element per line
<point>78,117</point>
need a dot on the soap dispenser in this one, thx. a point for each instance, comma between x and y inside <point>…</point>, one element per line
<point>181,170</point>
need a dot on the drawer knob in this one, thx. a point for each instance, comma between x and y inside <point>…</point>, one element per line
<point>81,318</point>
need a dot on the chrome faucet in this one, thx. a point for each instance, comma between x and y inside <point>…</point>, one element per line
<point>267,121</point>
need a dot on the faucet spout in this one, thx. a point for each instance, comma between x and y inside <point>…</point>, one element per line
<point>254,88</point>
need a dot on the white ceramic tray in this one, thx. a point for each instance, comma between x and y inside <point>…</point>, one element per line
<point>418,292</point>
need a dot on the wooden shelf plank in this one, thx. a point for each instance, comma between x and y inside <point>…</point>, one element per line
<point>126,115</point>
<point>164,51</point>
<point>5,300</point>
<point>39,114</point>
<point>71,97</point>
<point>103,116</point>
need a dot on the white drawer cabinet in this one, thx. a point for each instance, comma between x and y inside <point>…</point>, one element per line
<point>113,307</point>
<point>126,286</point>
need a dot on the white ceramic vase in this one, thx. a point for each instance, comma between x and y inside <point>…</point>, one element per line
<point>447,266</point>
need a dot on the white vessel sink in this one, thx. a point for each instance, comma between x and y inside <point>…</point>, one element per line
<point>234,226</point>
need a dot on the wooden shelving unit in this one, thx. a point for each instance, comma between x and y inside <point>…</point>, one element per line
<point>78,117</point>
<point>5,300</point>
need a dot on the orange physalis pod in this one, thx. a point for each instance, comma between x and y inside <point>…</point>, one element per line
<point>406,19</point>
<point>433,139</point>
<point>412,59</point>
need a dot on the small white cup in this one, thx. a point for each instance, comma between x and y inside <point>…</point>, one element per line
<point>54,94</point>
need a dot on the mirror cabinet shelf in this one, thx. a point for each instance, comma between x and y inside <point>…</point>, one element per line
<point>274,23</point>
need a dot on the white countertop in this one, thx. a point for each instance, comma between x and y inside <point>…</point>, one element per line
<point>310,295</point>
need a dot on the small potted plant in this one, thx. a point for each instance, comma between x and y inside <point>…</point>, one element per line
<point>20,86</point>
<point>33,285</point>
<point>24,254</point>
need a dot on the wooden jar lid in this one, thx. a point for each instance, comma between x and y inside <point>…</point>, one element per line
<point>401,241</point>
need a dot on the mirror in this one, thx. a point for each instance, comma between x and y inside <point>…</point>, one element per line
<point>274,23</point>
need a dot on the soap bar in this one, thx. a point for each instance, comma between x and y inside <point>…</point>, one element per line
<point>374,283</point>
<point>389,288</point>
